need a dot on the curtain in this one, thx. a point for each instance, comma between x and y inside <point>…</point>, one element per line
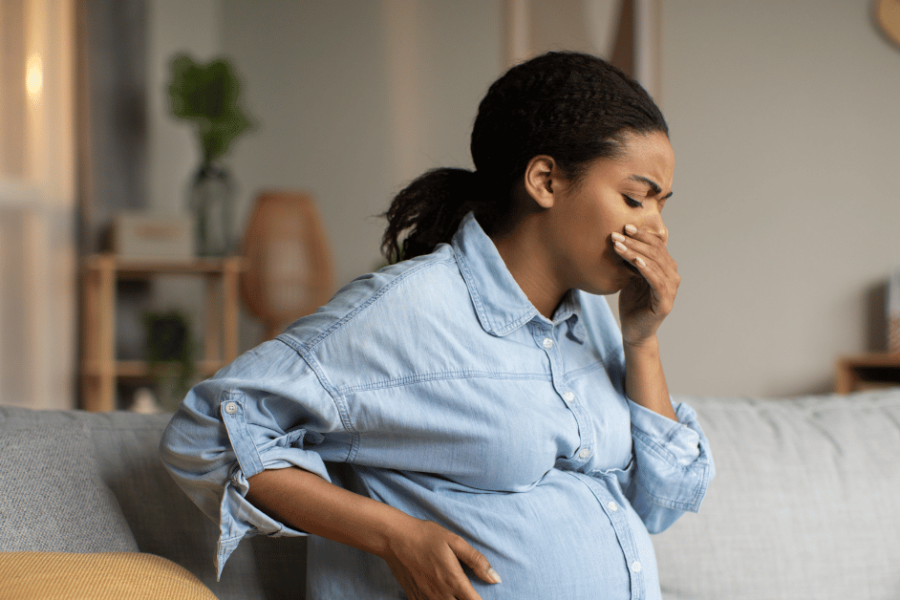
<point>37,205</point>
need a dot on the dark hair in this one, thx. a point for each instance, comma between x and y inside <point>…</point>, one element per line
<point>571,106</point>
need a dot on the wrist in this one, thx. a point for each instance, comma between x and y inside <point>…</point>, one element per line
<point>648,346</point>
<point>393,533</point>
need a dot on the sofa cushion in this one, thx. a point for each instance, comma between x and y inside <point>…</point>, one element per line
<point>53,497</point>
<point>98,576</point>
<point>162,519</point>
<point>804,503</point>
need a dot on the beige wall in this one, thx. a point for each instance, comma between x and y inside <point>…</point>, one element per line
<point>175,26</point>
<point>783,118</point>
<point>355,98</point>
<point>787,207</point>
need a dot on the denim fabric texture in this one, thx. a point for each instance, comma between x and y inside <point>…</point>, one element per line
<point>435,386</point>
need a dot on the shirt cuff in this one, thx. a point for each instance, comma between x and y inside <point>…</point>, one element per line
<point>678,440</point>
<point>674,465</point>
<point>238,518</point>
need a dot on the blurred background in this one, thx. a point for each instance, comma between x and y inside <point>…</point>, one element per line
<point>783,117</point>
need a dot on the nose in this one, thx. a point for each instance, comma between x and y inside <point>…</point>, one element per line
<point>653,222</point>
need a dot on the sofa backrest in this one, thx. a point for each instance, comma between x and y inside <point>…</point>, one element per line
<point>112,493</point>
<point>804,503</point>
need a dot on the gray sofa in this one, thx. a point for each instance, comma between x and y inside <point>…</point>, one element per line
<point>804,505</point>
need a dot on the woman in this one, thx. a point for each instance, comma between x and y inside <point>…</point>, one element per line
<point>474,412</point>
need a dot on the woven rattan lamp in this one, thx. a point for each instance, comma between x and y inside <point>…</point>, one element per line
<point>289,271</point>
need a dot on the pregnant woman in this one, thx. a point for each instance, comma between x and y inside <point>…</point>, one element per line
<point>471,422</point>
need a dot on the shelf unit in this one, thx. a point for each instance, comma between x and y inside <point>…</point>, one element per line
<point>867,371</point>
<point>100,370</point>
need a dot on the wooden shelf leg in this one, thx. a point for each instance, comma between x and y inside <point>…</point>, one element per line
<point>212,343</point>
<point>89,342</point>
<point>106,341</point>
<point>845,378</point>
<point>230,300</point>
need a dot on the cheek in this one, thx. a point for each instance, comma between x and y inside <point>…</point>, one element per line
<point>618,216</point>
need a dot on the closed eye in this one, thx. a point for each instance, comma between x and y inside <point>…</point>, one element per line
<point>632,202</point>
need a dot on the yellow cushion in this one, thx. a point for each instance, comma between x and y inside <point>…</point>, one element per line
<point>97,576</point>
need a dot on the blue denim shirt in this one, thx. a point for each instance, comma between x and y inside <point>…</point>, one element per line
<point>435,386</point>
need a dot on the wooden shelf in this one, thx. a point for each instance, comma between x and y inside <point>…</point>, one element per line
<point>99,367</point>
<point>128,268</point>
<point>874,370</point>
<point>138,369</point>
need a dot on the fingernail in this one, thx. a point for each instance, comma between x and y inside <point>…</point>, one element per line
<point>621,247</point>
<point>640,261</point>
<point>618,237</point>
<point>493,575</point>
<point>631,229</point>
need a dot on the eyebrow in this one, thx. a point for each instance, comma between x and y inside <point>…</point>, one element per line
<point>654,187</point>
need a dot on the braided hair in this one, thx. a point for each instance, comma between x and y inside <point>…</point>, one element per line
<point>573,107</point>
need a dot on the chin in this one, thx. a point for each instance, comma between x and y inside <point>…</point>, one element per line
<point>611,286</point>
<point>615,275</point>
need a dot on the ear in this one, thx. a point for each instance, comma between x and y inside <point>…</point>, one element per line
<point>538,180</point>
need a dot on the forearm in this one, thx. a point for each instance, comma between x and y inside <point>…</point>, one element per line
<point>307,502</point>
<point>425,558</point>
<point>645,382</point>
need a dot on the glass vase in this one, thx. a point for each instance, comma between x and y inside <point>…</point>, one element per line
<point>212,204</point>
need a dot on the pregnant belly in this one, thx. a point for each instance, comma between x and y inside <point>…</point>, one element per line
<point>562,539</point>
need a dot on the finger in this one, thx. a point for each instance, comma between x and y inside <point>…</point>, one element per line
<point>647,235</point>
<point>475,560</point>
<point>448,580</point>
<point>631,253</point>
<point>645,243</point>
<point>663,286</point>
<point>652,250</point>
<point>662,279</point>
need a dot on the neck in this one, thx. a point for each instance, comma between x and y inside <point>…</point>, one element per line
<point>520,247</point>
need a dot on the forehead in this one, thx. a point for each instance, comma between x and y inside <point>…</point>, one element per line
<point>649,156</point>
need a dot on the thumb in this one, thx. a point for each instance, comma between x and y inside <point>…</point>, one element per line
<point>475,560</point>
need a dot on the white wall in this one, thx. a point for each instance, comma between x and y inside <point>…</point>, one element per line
<point>786,210</point>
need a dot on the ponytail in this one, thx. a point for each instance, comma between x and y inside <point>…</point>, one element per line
<point>430,209</point>
<point>571,106</point>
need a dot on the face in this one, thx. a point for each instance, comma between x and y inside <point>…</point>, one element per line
<point>612,193</point>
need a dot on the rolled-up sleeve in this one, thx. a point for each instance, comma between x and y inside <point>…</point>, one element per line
<point>269,409</point>
<point>673,465</point>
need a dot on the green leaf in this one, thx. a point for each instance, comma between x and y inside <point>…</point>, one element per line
<point>207,96</point>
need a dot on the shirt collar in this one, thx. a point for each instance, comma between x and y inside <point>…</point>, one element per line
<point>500,303</point>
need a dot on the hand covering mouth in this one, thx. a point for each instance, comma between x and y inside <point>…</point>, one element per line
<point>630,266</point>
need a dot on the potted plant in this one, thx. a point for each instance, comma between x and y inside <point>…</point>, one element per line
<point>170,355</point>
<point>207,96</point>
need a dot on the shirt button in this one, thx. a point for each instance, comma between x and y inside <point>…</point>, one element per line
<point>231,408</point>
<point>568,396</point>
<point>612,506</point>
<point>548,343</point>
<point>585,453</point>
<point>636,567</point>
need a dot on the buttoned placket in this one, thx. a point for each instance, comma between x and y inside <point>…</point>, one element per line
<point>618,517</point>
<point>545,337</point>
